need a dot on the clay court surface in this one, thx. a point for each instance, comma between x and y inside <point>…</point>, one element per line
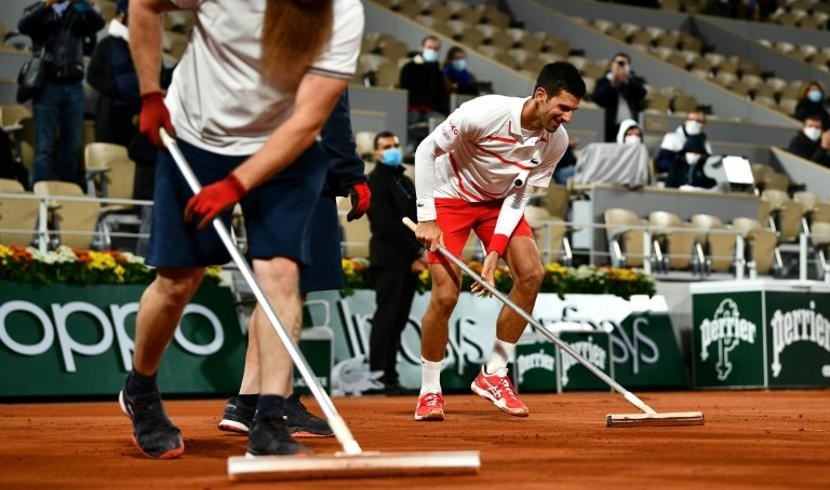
<point>755,439</point>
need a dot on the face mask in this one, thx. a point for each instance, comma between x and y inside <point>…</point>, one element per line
<point>392,157</point>
<point>692,127</point>
<point>632,139</point>
<point>459,65</point>
<point>813,133</point>
<point>814,95</point>
<point>430,55</point>
<point>692,158</point>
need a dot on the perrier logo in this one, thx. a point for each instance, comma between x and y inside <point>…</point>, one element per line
<point>728,330</point>
<point>799,325</point>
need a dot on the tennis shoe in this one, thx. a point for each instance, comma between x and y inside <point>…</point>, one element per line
<point>430,406</point>
<point>499,390</point>
<point>153,432</point>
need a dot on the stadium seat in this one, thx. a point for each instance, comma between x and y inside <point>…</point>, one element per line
<point>719,247</point>
<point>673,248</point>
<point>365,143</point>
<point>16,214</point>
<point>625,244</point>
<point>760,243</point>
<point>548,231</point>
<point>72,222</point>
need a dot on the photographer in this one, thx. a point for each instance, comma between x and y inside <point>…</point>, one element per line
<point>59,27</point>
<point>621,93</point>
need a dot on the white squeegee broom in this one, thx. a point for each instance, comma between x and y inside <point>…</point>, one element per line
<point>352,461</point>
<point>648,417</point>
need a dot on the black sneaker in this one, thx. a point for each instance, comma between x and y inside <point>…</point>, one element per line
<point>153,432</point>
<point>269,437</point>
<point>301,423</point>
<point>237,417</point>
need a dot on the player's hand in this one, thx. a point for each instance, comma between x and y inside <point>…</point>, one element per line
<point>429,235</point>
<point>154,116</point>
<point>214,199</point>
<point>488,273</point>
<point>361,196</point>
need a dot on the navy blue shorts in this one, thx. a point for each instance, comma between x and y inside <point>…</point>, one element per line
<point>325,272</point>
<point>277,213</point>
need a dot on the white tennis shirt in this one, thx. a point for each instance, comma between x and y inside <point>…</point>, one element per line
<point>487,155</point>
<point>219,99</point>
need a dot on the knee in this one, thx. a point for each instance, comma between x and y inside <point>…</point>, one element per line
<point>278,275</point>
<point>178,286</point>
<point>444,301</point>
<point>531,280</point>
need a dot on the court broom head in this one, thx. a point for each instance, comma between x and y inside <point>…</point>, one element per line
<point>364,465</point>
<point>653,419</point>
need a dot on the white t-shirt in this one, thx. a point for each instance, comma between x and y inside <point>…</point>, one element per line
<point>219,99</point>
<point>486,152</point>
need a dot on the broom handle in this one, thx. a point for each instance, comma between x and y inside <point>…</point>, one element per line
<point>631,397</point>
<point>338,425</point>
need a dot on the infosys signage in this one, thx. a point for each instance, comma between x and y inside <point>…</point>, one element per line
<point>78,340</point>
<point>762,334</point>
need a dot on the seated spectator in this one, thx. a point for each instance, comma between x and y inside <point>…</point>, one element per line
<point>566,167</point>
<point>687,167</point>
<point>673,142</point>
<point>112,74</point>
<point>427,87</point>
<point>811,142</point>
<point>621,93</point>
<point>460,78</point>
<point>811,103</point>
<point>630,133</point>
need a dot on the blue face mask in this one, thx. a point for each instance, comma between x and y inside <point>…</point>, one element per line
<point>430,55</point>
<point>814,95</point>
<point>392,157</point>
<point>460,64</point>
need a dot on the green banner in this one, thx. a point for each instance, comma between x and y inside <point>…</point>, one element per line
<point>728,343</point>
<point>78,340</point>
<point>594,347</point>
<point>798,338</point>
<point>646,354</point>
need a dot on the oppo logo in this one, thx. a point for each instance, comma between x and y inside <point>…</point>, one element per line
<point>113,329</point>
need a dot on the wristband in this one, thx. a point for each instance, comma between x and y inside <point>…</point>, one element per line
<point>498,244</point>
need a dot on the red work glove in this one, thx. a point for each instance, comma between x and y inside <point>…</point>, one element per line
<point>214,199</point>
<point>361,196</point>
<point>154,116</point>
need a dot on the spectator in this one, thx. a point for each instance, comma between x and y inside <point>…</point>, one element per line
<point>621,92</point>
<point>674,142</point>
<point>687,166</point>
<point>811,142</point>
<point>811,103</point>
<point>112,74</point>
<point>566,168</point>
<point>59,27</point>
<point>629,133</point>
<point>455,69</point>
<point>395,256</point>
<point>427,87</point>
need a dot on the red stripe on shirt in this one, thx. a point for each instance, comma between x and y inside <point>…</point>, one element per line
<point>503,140</point>
<point>502,159</point>
<point>457,172</point>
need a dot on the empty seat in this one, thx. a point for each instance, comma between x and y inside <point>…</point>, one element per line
<point>719,247</point>
<point>548,232</point>
<point>625,232</point>
<point>73,222</point>
<point>673,247</point>
<point>18,217</point>
<point>760,243</point>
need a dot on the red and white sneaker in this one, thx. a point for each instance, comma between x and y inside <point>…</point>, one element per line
<point>430,406</point>
<point>499,390</point>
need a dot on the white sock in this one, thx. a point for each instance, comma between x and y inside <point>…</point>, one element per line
<point>501,355</point>
<point>430,376</point>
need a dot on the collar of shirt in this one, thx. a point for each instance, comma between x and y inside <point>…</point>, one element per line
<point>515,126</point>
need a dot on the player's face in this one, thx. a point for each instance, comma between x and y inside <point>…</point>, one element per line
<point>557,110</point>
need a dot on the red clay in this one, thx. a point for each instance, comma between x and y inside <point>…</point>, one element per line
<point>752,439</point>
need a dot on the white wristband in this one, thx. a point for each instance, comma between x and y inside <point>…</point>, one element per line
<point>426,210</point>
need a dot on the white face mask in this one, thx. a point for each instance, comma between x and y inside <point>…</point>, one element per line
<point>632,139</point>
<point>692,127</point>
<point>813,133</point>
<point>692,158</point>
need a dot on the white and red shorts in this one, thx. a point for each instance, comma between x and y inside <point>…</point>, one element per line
<point>456,217</point>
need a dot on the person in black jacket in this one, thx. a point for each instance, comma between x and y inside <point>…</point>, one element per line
<point>427,87</point>
<point>59,27</point>
<point>395,256</point>
<point>811,103</point>
<point>811,142</point>
<point>621,93</point>
<point>112,74</point>
<point>687,167</point>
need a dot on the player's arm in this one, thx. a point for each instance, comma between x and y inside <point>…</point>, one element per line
<point>145,39</point>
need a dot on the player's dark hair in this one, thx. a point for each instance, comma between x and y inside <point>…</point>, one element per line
<point>383,134</point>
<point>559,76</point>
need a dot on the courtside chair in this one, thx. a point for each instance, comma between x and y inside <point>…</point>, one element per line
<point>625,232</point>
<point>18,217</point>
<point>719,248</point>
<point>760,244</point>
<point>73,223</point>
<point>673,248</point>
